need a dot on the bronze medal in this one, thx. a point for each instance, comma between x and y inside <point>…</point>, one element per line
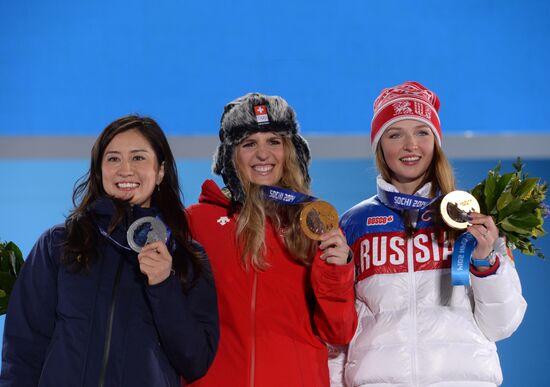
<point>455,208</point>
<point>317,218</point>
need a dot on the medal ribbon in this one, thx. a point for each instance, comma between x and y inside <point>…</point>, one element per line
<point>103,232</point>
<point>401,201</point>
<point>462,254</point>
<point>117,243</point>
<point>285,196</point>
<point>463,247</point>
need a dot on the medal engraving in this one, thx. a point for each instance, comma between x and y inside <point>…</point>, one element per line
<point>455,208</point>
<point>146,230</point>
<point>317,218</point>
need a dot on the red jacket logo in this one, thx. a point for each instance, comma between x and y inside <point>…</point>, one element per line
<point>377,220</point>
<point>386,253</point>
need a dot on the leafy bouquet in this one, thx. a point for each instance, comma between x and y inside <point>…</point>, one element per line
<point>516,203</point>
<point>11,261</point>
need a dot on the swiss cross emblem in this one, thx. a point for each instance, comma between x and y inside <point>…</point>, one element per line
<point>223,220</point>
<point>261,114</point>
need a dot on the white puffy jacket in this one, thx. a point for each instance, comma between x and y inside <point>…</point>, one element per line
<point>415,328</point>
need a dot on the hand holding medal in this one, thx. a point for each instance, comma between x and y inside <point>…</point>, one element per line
<point>318,221</point>
<point>148,236</point>
<point>144,231</point>
<point>460,210</point>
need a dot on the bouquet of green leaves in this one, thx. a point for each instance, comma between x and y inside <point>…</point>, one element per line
<point>516,203</point>
<point>11,261</point>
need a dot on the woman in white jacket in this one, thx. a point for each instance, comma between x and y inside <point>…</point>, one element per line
<point>415,328</point>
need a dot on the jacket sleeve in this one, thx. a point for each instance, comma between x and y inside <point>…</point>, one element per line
<point>187,323</point>
<point>335,316</point>
<point>31,315</point>
<point>499,304</point>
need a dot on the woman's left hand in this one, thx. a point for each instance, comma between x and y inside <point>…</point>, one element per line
<point>485,231</point>
<point>155,262</point>
<point>335,248</point>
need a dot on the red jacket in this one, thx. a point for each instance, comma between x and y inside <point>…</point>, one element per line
<point>273,323</point>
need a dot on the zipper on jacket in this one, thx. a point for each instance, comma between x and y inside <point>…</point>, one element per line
<point>109,332</point>
<point>412,308</point>
<point>253,344</point>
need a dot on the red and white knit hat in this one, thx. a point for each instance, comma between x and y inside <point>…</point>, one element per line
<point>408,101</point>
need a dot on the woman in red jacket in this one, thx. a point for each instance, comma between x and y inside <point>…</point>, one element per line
<point>281,295</point>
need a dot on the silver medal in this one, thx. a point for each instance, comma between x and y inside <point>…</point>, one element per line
<point>146,230</point>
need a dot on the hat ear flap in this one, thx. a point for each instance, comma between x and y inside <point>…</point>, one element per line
<point>219,157</point>
<point>303,155</point>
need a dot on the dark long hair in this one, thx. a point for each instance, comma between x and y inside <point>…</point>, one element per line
<point>82,236</point>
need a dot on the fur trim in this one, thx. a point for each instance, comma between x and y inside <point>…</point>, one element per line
<point>240,120</point>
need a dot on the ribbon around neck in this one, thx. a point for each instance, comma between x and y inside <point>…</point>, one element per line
<point>285,196</point>
<point>401,201</point>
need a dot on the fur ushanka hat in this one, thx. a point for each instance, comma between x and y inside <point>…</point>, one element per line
<point>251,113</point>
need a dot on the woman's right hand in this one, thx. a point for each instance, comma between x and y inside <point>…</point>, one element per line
<point>335,247</point>
<point>155,262</point>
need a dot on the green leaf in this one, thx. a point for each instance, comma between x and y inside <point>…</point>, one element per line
<point>512,207</point>
<point>529,206</point>
<point>502,183</point>
<point>508,226</point>
<point>477,192</point>
<point>16,258</point>
<point>526,221</point>
<point>526,186</point>
<point>489,191</point>
<point>7,281</point>
<point>505,199</point>
<point>11,261</point>
<point>518,166</point>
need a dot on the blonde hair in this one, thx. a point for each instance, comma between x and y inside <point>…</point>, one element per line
<point>251,220</point>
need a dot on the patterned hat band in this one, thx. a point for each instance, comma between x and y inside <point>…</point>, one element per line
<point>408,101</point>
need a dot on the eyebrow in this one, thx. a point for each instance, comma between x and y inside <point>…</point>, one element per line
<point>132,151</point>
<point>421,126</point>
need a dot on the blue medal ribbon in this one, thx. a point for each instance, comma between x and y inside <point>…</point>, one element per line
<point>462,254</point>
<point>117,243</point>
<point>285,196</point>
<point>403,201</point>
<point>463,247</point>
<point>141,236</point>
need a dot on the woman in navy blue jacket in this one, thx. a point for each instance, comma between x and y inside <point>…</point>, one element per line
<point>86,309</point>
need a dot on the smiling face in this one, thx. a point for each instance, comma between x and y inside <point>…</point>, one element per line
<point>130,169</point>
<point>408,148</point>
<point>260,158</point>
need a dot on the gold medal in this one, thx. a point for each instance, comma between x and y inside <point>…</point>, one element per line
<point>455,208</point>
<point>317,218</point>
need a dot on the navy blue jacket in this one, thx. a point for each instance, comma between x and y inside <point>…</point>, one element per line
<point>58,323</point>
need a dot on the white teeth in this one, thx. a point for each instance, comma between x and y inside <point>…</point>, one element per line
<point>127,185</point>
<point>263,168</point>
<point>412,158</point>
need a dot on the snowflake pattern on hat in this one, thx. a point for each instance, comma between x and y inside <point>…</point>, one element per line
<point>408,101</point>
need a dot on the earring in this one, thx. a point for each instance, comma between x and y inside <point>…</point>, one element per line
<point>158,187</point>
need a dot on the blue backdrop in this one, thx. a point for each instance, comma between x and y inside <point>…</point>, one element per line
<point>69,68</point>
